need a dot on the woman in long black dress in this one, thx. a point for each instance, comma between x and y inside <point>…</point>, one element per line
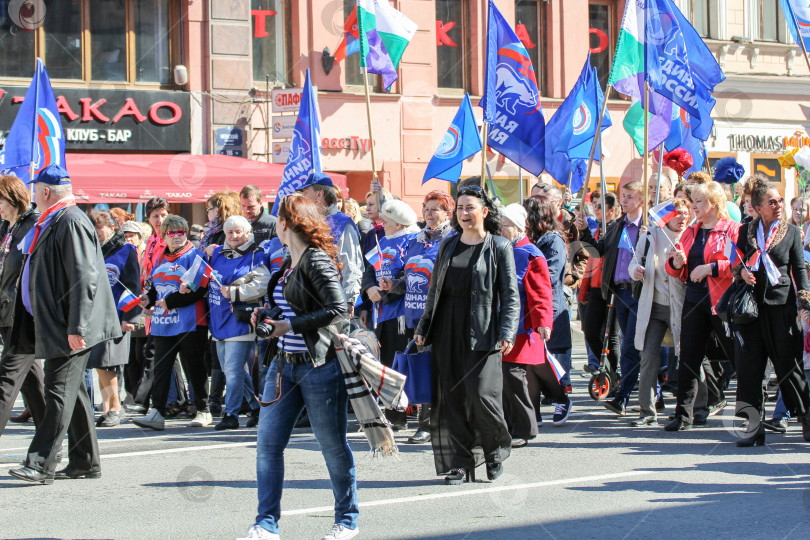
<point>475,318</point>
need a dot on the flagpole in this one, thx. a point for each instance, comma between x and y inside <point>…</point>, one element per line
<point>377,195</point>
<point>520,183</point>
<point>602,185</point>
<point>660,167</point>
<point>34,130</point>
<point>645,197</point>
<point>593,148</point>
<point>484,153</point>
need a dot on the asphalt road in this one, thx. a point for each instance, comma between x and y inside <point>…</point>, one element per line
<point>595,477</point>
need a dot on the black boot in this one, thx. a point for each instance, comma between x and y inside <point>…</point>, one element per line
<point>678,424</point>
<point>459,476</point>
<point>753,438</point>
<point>805,427</point>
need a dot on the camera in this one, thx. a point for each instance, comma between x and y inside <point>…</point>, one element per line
<point>264,328</point>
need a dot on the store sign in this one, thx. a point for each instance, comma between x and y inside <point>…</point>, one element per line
<point>757,143</point>
<point>286,99</point>
<point>283,127</point>
<point>352,142</point>
<point>100,119</point>
<point>281,150</point>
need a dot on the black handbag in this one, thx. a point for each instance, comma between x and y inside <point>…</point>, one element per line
<point>744,309</point>
<point>723,307</point>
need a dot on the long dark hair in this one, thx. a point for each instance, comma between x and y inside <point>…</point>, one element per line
<point>492,223</point>
<point>541,219</point>
<point>304,218</point>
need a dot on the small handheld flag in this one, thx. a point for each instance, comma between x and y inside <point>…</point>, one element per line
<point>375,258</point>
<point>806,256</point>
<point>732,253</point>
<point>559,371</point>
<point>128,301</point>
<point>199,275</point>
<point>593,225</point>
<point>663,213</point>
<point>624,242</point>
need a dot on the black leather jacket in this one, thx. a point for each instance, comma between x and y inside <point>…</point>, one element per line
<point>12,266</point>
<point>495,299</point>
<point>314,292</point>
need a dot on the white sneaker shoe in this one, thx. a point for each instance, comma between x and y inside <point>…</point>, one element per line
<point>258,533</point>
<point>339,532</point>
<point>202,419</point>
<point>153,420</point>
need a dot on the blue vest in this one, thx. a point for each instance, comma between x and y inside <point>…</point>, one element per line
<point>393,253</point>
<point>115,264</point>
<point>166,280</point>
<point>222,323</point>
<point>523,257</point>
<point>275,252</point>
<point>418,270</point>
<point>338,222</point>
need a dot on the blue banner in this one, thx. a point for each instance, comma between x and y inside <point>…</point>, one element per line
<point>797,13</point>
<point>461,141</point>
<point>305,149</point>
<point>511,100</point>
<point>36,135</point>
<point>681,136</point>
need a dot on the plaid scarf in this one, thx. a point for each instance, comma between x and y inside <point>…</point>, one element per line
<point>364,374</point>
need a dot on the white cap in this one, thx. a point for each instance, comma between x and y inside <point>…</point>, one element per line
<point>516,214</point>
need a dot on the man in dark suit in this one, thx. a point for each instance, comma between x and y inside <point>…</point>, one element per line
<point>64,306</point>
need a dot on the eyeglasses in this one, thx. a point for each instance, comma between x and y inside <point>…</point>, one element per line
<point>773,203</point>
<point>597,206</point>
<point>209,209</point>
<point>172,234</point>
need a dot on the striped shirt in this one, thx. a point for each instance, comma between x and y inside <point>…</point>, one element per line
<point>291,343</point>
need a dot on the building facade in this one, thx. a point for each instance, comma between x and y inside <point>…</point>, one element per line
<point>200,77</point>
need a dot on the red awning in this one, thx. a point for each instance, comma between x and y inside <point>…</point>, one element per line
<point>180,178</point>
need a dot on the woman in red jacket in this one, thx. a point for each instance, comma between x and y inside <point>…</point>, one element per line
<point>699,260</point>
<point>526,369</point>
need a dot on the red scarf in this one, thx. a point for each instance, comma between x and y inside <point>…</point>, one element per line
<point>46,217</point>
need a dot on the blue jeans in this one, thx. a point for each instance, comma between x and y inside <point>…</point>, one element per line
<point>780,411</point>
<point>323,391</point>
<point>233,357</point>
<point>626,312</point>
<point>564,358</point>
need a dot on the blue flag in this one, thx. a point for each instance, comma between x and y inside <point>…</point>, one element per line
<point>798,20</point>
<point>681,136</point>
<point>461,141</point>
<point>624,242</point>
<point>679,66</point>
<point>36,135</point>
<point>583,106</point>
<point>593,225</point>
<point>511,100</point>
<point>305,149</point>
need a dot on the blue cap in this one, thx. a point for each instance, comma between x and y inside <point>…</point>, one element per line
<point>54,175</point>
<point>316,178</point>
<point>728,171</point>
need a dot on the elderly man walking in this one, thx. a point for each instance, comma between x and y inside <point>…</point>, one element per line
<point>64,306</point>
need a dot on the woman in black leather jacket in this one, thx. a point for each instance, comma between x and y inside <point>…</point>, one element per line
<point>305,371</point>
<point>474,318</point>
<point>17,371</point>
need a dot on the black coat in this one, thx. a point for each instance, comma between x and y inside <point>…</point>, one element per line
<point>495,298</point>
<point>264,227</point>
<point>314,293</point>
<point>606,247</point>
<point>69,290</point>
<point>786,254</point>
<point>12,266</point>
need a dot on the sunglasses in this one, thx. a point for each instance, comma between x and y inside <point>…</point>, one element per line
<point>471,190</point>
<point>172,234</point>
<point>776,202</point>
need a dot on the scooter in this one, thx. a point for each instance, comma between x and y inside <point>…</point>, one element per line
<point>605,379</point>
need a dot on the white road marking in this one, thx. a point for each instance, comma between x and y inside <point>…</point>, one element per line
<point>465,493</point>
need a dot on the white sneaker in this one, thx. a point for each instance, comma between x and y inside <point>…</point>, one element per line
<point>153,420</point>
<point>258,533</point>
<point>339,532</point>
<point>202,419</point>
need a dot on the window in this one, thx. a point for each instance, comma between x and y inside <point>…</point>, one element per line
<point>94,40</point>
<point>452,45</point>
<point>603,28</point>
<point>769,21</point>
<point>353,72</point>
<point>698,13</point>
<point>530,30</point>
<point>271,29</point>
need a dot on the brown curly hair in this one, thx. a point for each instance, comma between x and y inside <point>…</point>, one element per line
<point>305,219</point>
<point>227,203</point>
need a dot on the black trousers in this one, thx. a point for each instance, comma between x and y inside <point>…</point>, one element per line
<point>697,324</point>
<point>20,373</point>
<point>191,347</point>
<point>776,335</point>
<point>67,411</point>
<point>593,326</point>
<point>133,370</point>
<point>518,408</point>
<point>147,377</point>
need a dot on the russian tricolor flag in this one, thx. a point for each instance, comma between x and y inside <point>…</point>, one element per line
<point>198,275</point>
<point>375,258</point>
<point>593,225</point>
<point>661,214</point>
<point>732,253</point>
<point>128,301</point>
<point>559,371</point>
